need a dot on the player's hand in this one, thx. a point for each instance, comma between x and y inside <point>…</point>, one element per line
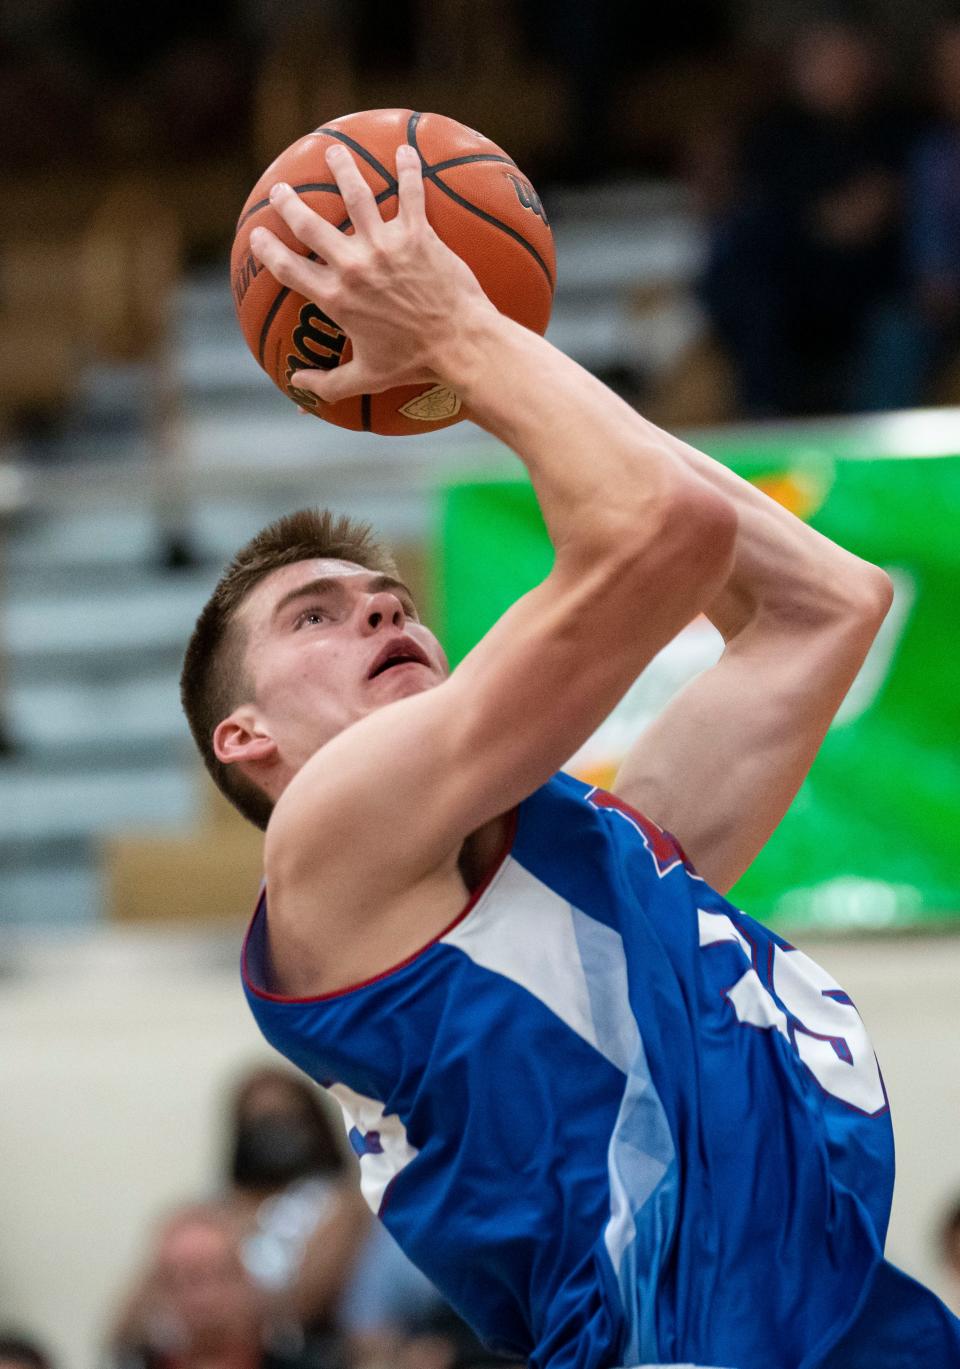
<point>403,298</point>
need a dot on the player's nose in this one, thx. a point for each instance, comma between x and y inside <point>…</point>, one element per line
<point>384,610</point>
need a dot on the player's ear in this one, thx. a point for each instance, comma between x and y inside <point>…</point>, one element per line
<point>239,738</point>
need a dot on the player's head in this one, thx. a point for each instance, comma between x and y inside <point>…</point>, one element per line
<point>203,1290</point>
<point>834,68</point>
<point>21,1352</point>
<point>950,1240</point>
<point>306,632</point>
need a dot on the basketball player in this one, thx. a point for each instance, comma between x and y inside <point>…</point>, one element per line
<point>613,1118</point>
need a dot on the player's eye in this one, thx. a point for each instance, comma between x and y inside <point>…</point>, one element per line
<point>308,616</point>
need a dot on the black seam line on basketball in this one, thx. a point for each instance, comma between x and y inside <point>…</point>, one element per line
<point>384,195</point>
<point>463,161</point>
<point>285,289</point>
<point>281,295</point>
<point>488,218</point>
<point>300,189</point>
<point>430,172</point>
<point>361,151</point>
<point>413,123</point>
<point>365,412</point>
<point>308,187</point>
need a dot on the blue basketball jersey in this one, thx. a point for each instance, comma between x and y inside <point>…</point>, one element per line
<point>614,1119</point>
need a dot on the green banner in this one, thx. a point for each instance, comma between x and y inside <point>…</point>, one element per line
<point>873,838</point>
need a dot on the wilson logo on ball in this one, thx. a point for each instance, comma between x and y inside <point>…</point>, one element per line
<point>319,344</point>
<point>244,277</point>
<point>527,196</point>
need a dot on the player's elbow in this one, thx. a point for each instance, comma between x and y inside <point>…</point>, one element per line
<point>684,543</point>
<point>850,616</point>
<point>698,534</point>
<point>856,603</point>
<point>867,602</point>
<point>677,527</point>
<point>870,594</point>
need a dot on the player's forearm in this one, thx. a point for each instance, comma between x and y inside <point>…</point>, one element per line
<point>591,458</point>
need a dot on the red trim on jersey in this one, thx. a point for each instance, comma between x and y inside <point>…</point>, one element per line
<point>478,893</point>
<point>665,851</point>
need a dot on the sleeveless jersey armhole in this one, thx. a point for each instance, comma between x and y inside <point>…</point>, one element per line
<point>254,957</point>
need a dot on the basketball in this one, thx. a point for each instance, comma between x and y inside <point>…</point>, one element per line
<point>477,200</point>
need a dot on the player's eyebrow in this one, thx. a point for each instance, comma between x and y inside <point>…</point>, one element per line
<point>323,584</point>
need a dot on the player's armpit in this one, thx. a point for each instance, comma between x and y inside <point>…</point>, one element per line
<point>395,795</point>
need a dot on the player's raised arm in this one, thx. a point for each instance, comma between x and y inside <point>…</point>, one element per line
<point>642,544</point>
<point>723,762</point>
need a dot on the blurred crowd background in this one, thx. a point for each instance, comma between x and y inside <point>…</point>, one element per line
<point>814,147</point>
<point>757,212</point>
<point>278,1264</point>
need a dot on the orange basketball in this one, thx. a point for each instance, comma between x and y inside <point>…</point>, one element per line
<point>477,200</point>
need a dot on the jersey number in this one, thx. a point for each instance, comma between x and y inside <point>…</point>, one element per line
<point>816,1016</point>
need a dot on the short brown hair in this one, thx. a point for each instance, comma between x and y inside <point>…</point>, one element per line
<point>213,680</point>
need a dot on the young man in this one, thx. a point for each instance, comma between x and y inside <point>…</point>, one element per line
<point>612,1118</point>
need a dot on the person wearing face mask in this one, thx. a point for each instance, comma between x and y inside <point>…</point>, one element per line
<point>291,1184</point>
<point>273,1250</point>
<point>338,1283</point>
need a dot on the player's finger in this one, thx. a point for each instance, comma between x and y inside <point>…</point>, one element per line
<point>311,229</point>
<point>410,182</point>
<point>297,272</point>
<point>354,191</point>
<point>331,386</point>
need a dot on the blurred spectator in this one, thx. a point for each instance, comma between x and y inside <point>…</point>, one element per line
<point>600,50</point>
<point>950,1253</point>
<point>47,98</point>
<point>299,1202</point>
<point>175,82</point>
<point>20,1352</point>
<point>195,1303</point>
<point>393,1315</point>
<point>312,1247</point>
<point>933,210</point>
<point>804,280</point>
<point>387,1303</point>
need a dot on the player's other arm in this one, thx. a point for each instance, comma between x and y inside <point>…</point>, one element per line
<point>642,545</point>
<point>722,763</point>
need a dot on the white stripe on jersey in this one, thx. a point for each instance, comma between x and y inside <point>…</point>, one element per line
<point>377,1169</point>
<point>572,963</point>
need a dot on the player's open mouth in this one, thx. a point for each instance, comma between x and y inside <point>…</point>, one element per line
<point>401,651</point>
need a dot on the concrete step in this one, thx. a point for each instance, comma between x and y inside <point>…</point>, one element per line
<point>64,805</point>
<point>70,547</point>
<point>37,894</point>
<point>80,719</point>
<point>50,549</point>
<point>118,618</point>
